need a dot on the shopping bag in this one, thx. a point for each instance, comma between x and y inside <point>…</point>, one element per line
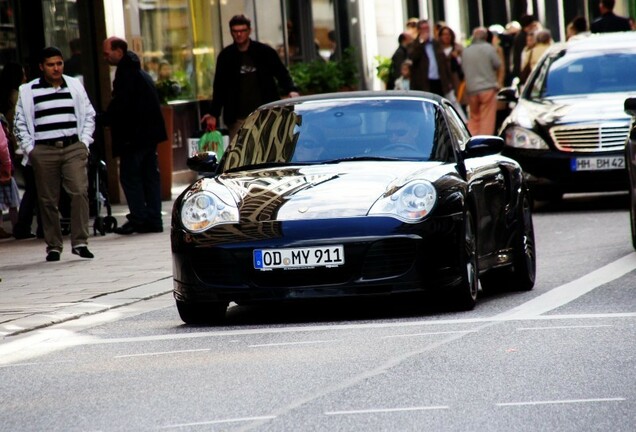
<point>212,141</point>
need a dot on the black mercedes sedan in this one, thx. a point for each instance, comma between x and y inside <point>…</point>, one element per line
<point>349,194</point>
<point>568,127</point>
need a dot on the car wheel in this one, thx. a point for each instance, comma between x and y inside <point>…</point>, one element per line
<point>632,217</point>
<point>520,275</point>
<point>551,195</point>
<point>202,313</point>
<point>524,256</point>
<point>464,296</point>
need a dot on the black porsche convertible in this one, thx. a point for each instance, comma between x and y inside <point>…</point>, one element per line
<point>347,194</point>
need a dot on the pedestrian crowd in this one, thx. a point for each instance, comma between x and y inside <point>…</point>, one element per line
<point>49,122</point>
<point>432,58</point>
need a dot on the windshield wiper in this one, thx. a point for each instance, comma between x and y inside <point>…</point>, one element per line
<point>362,158</point>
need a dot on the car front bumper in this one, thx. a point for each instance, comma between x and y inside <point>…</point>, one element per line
<point>552,170</point>
<point>382,256</point>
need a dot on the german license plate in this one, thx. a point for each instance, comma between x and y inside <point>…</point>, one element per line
<point>290,258</point>
<point>597,163</point>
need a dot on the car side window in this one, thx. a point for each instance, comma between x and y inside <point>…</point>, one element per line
<point>542,86</point>
<point>457,127</point>
<point>445,139</point>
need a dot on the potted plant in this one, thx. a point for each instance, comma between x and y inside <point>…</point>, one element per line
<point>319,76</point>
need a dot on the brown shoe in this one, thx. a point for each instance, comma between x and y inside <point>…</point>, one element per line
<point>4,234</point>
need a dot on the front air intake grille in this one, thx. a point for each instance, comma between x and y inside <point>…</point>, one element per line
<point>387,258</point>
<point>598,137</point>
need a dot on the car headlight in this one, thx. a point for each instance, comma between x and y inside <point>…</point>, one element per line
<point>524,138</point>
<point>203,210</point>
<point>410,203</point>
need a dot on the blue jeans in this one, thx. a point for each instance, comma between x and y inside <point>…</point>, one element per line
<point>141,182</point>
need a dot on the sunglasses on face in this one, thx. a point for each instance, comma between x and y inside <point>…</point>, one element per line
<point>398,132</point>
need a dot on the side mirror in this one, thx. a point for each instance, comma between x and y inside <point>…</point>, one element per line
<point>483,145</point>
<point>508,94</point>
<point>205,163</point>
<point>630,106</point>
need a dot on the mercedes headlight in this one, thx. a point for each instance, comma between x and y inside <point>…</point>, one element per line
<point>203,210</point>
<point>410,203</point>
<point>523,138</point>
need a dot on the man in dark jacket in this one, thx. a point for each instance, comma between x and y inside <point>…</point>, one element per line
<point>400,54</point>
<point>608,21</point>
<point>137,125</point>
<point>430,70</point>
<point>247,73</point>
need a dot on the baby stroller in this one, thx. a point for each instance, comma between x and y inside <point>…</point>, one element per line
<point>97,197</point>
<point>98,193</point>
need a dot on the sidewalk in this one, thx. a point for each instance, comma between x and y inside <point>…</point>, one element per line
<point>126,269</point>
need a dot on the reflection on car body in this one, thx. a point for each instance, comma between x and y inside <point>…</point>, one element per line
<point>568,128</point>
<point>361,193</point>
<point>630,161</point>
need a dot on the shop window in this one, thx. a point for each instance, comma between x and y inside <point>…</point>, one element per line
<point>324,29</point>
<point>60,24</point>
<point>8,51</point>
<point>178,44</point>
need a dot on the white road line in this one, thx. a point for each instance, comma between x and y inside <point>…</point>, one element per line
<point>564,327</point>
<point>212,422</point>
<point>555,402</point>
<point>292,343</point>
<point>387,410</point>
<point>427,334</point>
<point>161,353</point>
<point>564,294</point>
<point>47,340</point>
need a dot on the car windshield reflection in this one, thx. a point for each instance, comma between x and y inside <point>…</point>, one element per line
<point>319,132</point>
<point>591,73</point>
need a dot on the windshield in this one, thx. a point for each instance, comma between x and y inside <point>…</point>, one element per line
<point>590,73</point>
<point>328,131</point>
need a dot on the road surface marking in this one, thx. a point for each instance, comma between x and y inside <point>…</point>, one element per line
<point>564,294</point>
<point>564,327</point>
<point>387,410</point>
<point>211,422</point>
<point>292,343</point>
<point>427,334</point>
<point>555,402</point>
<point>162,353</point>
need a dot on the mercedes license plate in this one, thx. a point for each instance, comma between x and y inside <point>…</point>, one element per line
<point>290,258</point>
<point>597,163</point>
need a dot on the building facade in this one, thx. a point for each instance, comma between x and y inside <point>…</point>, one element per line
<point>183,37</point>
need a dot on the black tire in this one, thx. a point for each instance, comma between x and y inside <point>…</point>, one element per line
<point>110,224</point>
<point>632,217</point>
<point>524,265</point>
<point>202,313</point>
<point>550,195</point>
<point>98,226</point>
<point>521,275</point>
<point>463,297</point>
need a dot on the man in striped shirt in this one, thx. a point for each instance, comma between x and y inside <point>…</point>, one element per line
<point>54,125</point>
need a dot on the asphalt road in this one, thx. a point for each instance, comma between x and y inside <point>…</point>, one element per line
<point>561,357</point>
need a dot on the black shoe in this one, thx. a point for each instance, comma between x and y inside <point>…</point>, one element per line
<point>53,255</point>
<point>83,252</point>
<point>150,229</point>
<point>23,235</point>
<point>127,229</point>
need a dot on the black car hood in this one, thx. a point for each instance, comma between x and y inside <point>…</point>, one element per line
<point>570,110</point>
<point>346,189</point>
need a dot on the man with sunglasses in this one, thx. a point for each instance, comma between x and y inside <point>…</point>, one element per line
<point>246,77</point>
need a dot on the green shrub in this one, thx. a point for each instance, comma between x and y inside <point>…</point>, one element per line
<point>383,69</point>
<point>319,76</point>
